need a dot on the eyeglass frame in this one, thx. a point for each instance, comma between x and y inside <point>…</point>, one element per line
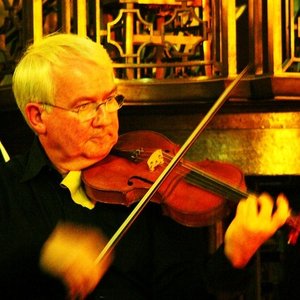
<point>96,105</point>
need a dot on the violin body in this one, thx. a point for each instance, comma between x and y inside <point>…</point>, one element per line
<point>124,177</point>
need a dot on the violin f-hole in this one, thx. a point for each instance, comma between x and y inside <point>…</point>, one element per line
<point>132,178</point>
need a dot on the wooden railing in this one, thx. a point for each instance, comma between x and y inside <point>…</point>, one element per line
<point>167,38</point>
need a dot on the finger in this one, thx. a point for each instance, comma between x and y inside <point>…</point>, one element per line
<point>241,209</point>
<point>266,205</point>
<point>251,208</point>
<point>78,290</point>
<point>72,290</point>
<point>282,212</point>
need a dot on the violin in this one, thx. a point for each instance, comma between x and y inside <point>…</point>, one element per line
<point>194,194</point>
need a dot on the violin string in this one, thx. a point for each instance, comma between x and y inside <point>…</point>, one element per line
<point>208,182</point>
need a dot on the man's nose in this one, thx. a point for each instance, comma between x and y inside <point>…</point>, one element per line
<point>102,116</point>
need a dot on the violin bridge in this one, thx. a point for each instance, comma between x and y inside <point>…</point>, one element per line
<point>155,159</point>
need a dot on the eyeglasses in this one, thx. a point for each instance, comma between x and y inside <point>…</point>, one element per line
<point>89,110</point>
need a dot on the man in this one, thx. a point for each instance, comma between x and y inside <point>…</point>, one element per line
<point>50,240</point>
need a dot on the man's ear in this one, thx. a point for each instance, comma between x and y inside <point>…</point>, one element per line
<point>33,113</point>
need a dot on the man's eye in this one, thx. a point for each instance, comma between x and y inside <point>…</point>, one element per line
<point>82,107</point>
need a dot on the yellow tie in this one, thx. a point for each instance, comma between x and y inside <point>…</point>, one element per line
<point>73,182</point>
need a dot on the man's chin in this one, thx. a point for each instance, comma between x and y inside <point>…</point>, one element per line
<point>98,153</point>
<point>102,144</point>
<point>97,149</point>
<point>90,161</point>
